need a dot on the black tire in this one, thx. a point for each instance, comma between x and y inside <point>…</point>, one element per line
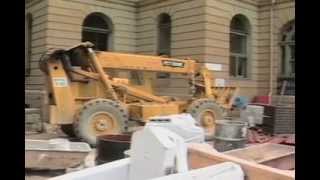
<point>199,106</point>
<point>68,130</point>
<point>85,119</point>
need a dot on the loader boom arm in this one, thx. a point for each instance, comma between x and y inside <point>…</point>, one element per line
<point>100,62</point>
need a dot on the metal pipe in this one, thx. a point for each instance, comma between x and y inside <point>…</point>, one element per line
<point>271,51</point>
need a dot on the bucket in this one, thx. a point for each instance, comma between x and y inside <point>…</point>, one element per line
<point>230,134</point>
<point>112,147</point>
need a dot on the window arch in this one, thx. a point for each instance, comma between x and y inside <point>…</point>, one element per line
<point>28,39</point>
<point>288,49</point>
<point>164,34</point>
<point>97,28</point>
<point>239,51</point>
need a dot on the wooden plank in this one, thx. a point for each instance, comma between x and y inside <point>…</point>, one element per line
<point>203,155</point>
<point>285,162</point>
<point>263,152</point>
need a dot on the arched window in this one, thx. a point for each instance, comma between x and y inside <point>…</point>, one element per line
<point>288,50</point>
<point>27,52</point>
<point>239,40</point>
<point>97,28</point>
<point>164,34</point>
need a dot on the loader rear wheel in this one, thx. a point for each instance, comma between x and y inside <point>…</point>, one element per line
<point>99,117</point>
<point>206,112</point>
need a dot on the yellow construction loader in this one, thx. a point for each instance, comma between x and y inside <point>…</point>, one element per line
<point>90,92</point>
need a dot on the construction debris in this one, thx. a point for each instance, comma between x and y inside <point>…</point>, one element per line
<point>165,157</point>
<point>167,154</point>
<point>257,135</point>
<point>54,154</point>
<point>257,161</point>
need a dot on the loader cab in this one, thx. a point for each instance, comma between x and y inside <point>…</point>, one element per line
<point>78,59</point>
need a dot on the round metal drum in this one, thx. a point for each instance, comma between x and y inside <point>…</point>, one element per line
<point>112,147</point>
<point>230,134</point>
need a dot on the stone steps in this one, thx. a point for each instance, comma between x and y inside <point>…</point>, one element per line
<point>33,121</point>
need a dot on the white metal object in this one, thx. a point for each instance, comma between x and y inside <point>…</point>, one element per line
<point>116,170</point>
<point>167,153</point>
<point>223,171</point>
<point>182,124</point>
<point>253,115</point>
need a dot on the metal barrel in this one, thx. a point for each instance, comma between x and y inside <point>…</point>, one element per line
<point>230,134</point>
<point>112,147</point>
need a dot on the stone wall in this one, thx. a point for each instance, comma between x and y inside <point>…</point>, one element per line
<point>200,30</point>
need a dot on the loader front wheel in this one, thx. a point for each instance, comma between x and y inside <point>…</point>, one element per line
<point>206,112</point>
<point>99,117</point>
<point>68,130</point>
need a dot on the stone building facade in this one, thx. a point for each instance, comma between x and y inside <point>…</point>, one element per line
<point>253,40</point>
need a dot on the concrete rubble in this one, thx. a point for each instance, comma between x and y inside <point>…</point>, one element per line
<point>256,136</point>
<point>47,154</point>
